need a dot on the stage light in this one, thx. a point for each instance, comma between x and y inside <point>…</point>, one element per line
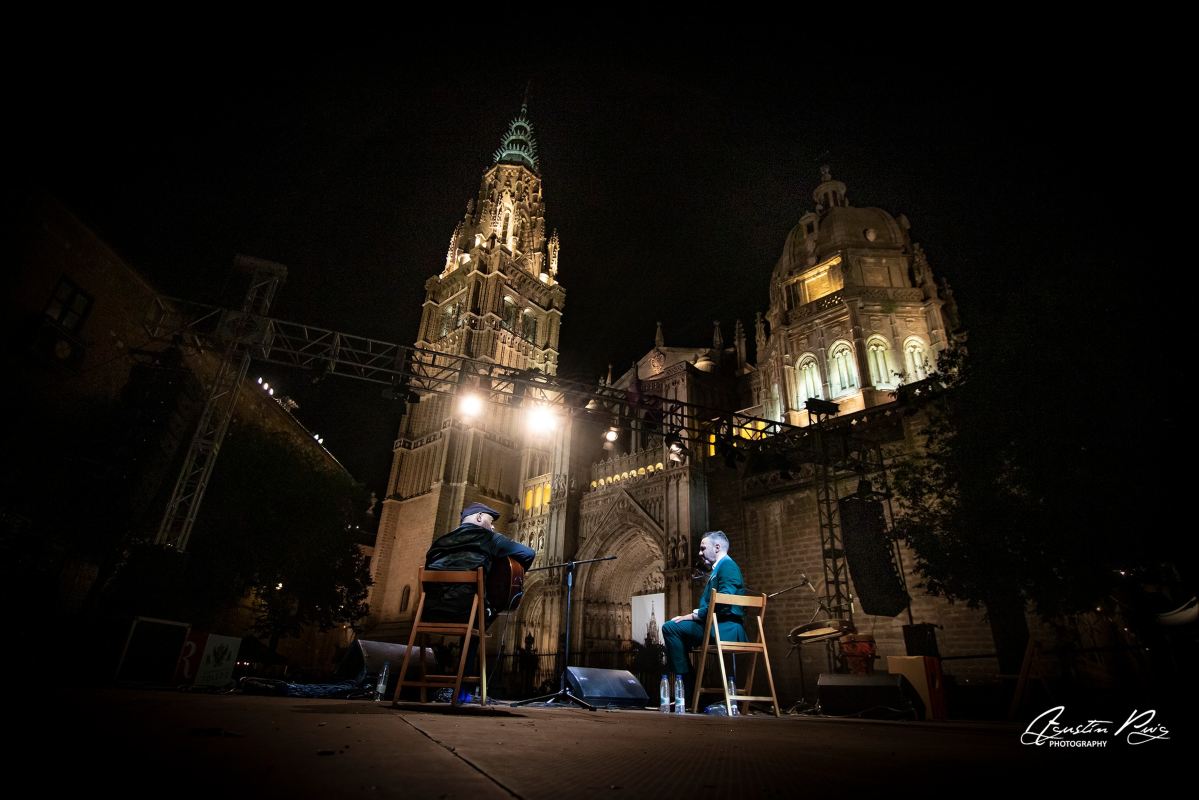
<point>470,405</point>
<point>541,419</point>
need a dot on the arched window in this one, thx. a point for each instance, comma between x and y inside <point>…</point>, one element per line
<point>450,317</point>
<point>878,353</point>
<point>529,325</point>
<point>842,369</point>
<point>916,359</point>
<point>405,598</point>
<point>511,312</point>
<point>809,378</point>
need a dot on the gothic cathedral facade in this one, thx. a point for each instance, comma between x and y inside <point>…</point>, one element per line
<point>853,313</point>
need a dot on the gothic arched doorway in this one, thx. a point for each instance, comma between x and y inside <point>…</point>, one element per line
<point>604,595</point>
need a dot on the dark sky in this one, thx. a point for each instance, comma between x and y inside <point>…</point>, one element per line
<point>672,180</point>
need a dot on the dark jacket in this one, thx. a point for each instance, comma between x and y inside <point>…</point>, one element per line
<point>467,547</point>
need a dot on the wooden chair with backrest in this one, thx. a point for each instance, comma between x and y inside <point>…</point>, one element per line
<point>755,608</point>
<point>473,626</point>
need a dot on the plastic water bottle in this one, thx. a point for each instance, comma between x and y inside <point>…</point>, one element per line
<point>381,687</point>
<point>733,694</point>
<point>664,694</point>
<point>680,703</point>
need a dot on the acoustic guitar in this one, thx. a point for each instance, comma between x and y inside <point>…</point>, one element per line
<point>505,584</point>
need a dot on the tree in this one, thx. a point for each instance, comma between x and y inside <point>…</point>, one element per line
<point>962,512</point>
<point>1020,496</point>
<point>281,524</point>
<point>277,524</point>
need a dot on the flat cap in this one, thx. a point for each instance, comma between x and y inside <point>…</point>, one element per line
<point>479,508</point>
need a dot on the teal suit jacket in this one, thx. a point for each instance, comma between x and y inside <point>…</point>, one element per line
<point>726,579</point>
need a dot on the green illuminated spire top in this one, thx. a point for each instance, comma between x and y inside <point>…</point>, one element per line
<point>519,146</point>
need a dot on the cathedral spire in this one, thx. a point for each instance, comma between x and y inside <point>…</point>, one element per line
<point>553,247</point>
<point>519,145</point>
<point>659,339</point>
<point>451,256</point>
<point>717,336</point>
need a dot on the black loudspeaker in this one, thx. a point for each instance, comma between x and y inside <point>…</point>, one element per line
<point>870,557</point>
<point>606,687</point>
<point>881,696</point>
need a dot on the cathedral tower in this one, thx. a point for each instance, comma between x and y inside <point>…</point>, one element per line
<point>497,299</point>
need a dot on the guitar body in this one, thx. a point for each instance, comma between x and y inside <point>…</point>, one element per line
<point>505,584</point>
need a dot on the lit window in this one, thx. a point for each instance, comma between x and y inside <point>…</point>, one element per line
<point>842,368</point>
<point>916,358</point>
<point>809,379</point>
<point>451,318</point>
<point>528,325</point>
<point>879,359</point>
<point>511,312</point>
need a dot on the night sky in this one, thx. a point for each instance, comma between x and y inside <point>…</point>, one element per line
<point>673,181</point>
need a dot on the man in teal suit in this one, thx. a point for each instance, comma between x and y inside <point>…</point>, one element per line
<point>687,630</point>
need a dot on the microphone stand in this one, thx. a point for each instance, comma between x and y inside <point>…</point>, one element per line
<point>563,693</point>
<point>805,582</point>
<point>801,705</point>
<point>500,671</point>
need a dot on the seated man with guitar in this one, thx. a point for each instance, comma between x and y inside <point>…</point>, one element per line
<point>475,543</point>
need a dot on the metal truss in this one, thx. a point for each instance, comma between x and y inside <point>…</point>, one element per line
<point>238,338</point>
<point>249,334</point>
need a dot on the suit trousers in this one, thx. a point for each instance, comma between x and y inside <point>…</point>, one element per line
<point>680,637</point>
